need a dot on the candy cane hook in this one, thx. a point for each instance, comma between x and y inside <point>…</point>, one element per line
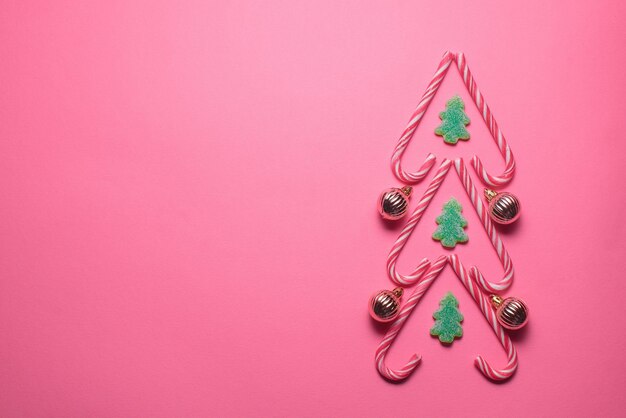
<point>483,301</point>
<point>405,312</point>
<point>392,258</point>
<point>479,100</point>
<point>496,241</point>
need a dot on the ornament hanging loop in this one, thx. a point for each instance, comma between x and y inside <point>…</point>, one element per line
<point>490,194</point>
<point>496,301</point>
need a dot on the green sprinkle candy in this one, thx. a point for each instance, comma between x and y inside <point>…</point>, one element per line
<point>453,123</point>
<point>447,320</point>
<point>451,224</point>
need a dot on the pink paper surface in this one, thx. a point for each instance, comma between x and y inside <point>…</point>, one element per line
<point>188,223</point>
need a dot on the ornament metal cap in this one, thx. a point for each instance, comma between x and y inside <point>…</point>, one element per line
<point>407,190</point>
<point>490,194</point>
<point>398,291</point>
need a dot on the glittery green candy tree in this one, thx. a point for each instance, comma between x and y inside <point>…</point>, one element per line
<point>453,123</point>
<point>451,223</point>
<point>447,320</point>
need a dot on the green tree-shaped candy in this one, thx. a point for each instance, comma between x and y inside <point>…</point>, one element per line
<point>451,224</point>
<point>447,325</point>
<point>453,123</point>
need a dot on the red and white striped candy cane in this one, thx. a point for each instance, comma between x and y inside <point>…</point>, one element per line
<point>483,301</point>
<point>392,258</point>
<point>496,241</point>
<point>494,129</point>
<point>405,312</point>
<point>479,100</point>
<point>416,117</point>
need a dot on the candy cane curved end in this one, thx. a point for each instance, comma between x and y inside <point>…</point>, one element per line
<point>494,181</point>
<point>409,279</point>
<point>496,374</point>
<point>401,374</point>
<point>488,286</point>
<point>417,176</point>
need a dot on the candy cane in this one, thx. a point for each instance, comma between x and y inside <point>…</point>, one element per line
<point>479,100</point>
<point>483,301</point>
<point>480,299</point>
<point>392,258</point>
<point>496,241</point>
<point>494,129</point>
<point>405,312</point>
<point>416,117</point>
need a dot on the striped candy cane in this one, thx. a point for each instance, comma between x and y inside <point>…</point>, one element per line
<point>416,117</point>
<point>494,129</point>
<point>479,100</point>
<point>480,299</point>
<point>405,312</point>
<point>496,241</point>
<point>392,258</point>
<point>483,301</point>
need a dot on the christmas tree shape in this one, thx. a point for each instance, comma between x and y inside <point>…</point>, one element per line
<point>451,224</point>
<point>453,123</point>
<point>447,320</point>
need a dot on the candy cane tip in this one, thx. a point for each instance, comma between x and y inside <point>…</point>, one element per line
<point>481,365</point>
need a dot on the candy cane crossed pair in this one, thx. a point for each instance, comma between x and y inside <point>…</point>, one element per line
<point>479,100</point>
<point>479,297</point>
<point>481,210</point>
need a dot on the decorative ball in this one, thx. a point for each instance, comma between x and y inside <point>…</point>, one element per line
<point>384,305</point>
<point>504,208</point>
<point>393,203</point>
<point>512,313</point>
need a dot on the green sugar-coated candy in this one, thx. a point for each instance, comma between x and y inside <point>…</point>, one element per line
<point>453,121</point>
<point>447,320</point>
<point>451,223</point>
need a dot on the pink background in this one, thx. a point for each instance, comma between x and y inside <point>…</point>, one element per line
<point>188,224</point>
